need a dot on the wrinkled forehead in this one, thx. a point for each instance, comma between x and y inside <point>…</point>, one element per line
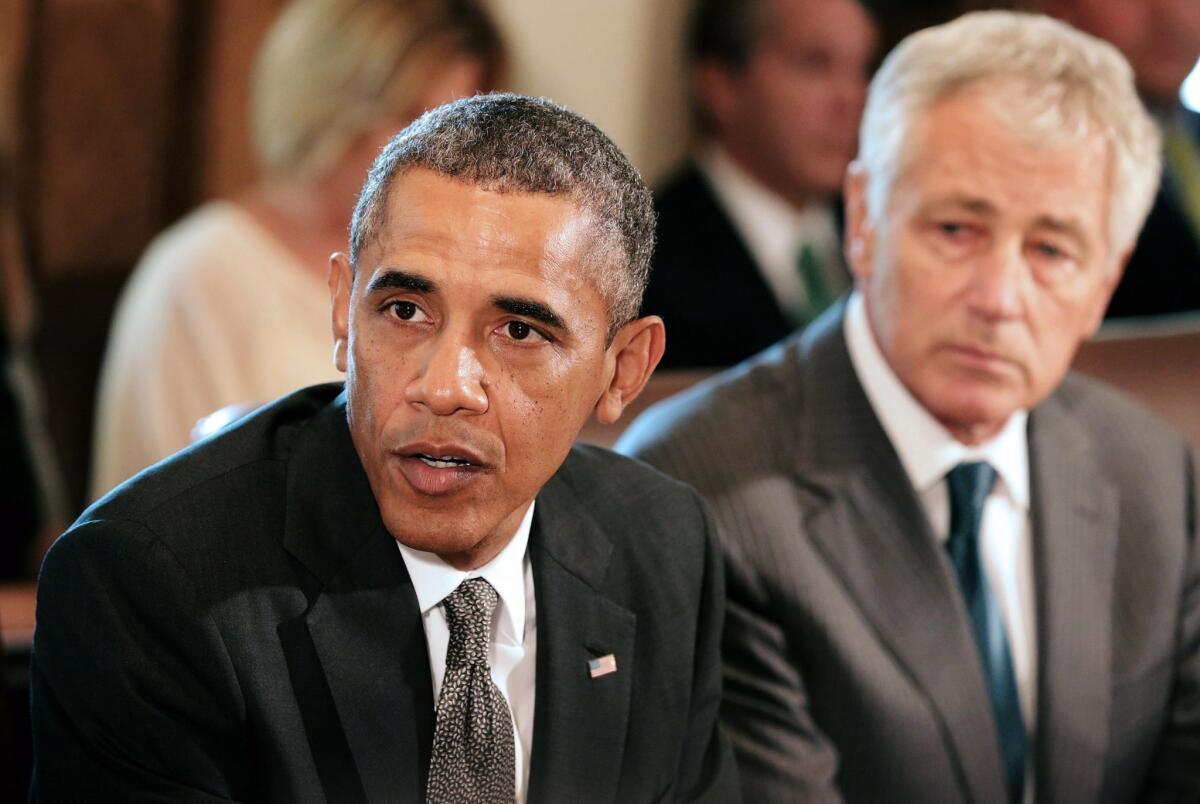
<point>968,157</point>
<point>1051,115</point>
<point>985,117</point>
<point>1009,120</point>
<point>427,205</point>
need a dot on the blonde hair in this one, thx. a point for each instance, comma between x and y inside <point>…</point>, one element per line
<point>329,70</point>
<point>1069,86</point>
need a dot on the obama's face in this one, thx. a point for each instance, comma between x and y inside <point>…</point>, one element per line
<point>476,346</point>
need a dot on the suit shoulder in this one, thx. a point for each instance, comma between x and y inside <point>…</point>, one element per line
<point>657,528</point>
<point>734,419</point>
<point>608,475</point>
<point>221,488</point>
<point>1150,464</point>
<point>1118,422</point>
<point>618,490</point>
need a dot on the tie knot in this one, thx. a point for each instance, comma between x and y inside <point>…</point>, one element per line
<point>469,615</point>
<point>969,484</point>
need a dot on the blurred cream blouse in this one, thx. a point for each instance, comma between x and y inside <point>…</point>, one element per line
<point>216,313</point>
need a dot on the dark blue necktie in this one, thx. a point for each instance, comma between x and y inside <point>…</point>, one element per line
<point>970,484</point>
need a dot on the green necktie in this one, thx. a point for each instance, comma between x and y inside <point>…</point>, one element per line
<point>1182,158</point>
<point>817,295</point>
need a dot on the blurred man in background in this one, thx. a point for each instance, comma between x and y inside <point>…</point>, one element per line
<point>748,233</point>
<point>1161,40</point>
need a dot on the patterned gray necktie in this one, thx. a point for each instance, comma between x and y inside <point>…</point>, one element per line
<point>474,757</point>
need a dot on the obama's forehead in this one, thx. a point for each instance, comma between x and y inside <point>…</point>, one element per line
<point>440,235</point>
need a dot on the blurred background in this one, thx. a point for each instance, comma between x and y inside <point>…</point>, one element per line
<point>125,114</point>
<point>117,117</point>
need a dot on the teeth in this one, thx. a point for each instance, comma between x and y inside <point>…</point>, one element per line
<point>444,462</point>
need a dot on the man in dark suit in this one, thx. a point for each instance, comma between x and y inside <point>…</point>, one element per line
<point>748,231</point>
<point>415,588</point>
<point>956,573</point>
<point>1161,40</point>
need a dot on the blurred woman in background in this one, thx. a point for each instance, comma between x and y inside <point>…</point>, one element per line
<point>230,306</point>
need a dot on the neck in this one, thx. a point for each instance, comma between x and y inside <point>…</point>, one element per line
<point>972,435</point>
<point>307,217</point>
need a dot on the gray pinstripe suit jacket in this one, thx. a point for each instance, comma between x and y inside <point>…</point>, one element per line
<point>850,671</point>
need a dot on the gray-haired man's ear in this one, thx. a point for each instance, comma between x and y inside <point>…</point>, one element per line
<point>859,241</point>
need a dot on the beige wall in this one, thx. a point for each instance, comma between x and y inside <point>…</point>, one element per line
<point>616,62</point>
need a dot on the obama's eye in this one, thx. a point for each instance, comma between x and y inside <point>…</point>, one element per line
<point>522,331</point>
<point>407,311</point>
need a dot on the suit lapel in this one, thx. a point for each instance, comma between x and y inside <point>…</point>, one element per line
<point>1075,517</point>
<point>357,657</point>
<point>579,722</point>
<point>735,270</point>
<point>864,516</point>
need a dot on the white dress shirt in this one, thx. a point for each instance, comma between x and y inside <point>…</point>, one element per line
<point>513,651</point>
<point>928,452</point>
<point>774,231</point>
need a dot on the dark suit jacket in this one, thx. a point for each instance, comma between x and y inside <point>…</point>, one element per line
<point>1163,274</point>
<point>704,282</point>
<point>851,669</point>
<point>237,624</point>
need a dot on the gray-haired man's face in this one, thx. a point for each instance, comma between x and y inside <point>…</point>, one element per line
<point>988,267</point>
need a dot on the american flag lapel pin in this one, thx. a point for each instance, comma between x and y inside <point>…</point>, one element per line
<point>602,666</point>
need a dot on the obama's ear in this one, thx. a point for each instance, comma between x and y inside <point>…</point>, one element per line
<point>341,283</point>
<point>630,360</point>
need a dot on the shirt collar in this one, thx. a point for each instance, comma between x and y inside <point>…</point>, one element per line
<point>433,579</point>
<point>926,449</point>
<point>773,229</point>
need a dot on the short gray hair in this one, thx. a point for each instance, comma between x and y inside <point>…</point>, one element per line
<point>1072,85</point>
<point>512,143</point>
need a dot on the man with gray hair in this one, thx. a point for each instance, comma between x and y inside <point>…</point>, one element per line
<point>414,588</point>
<point>956,572</point>
<point>1161,40</point>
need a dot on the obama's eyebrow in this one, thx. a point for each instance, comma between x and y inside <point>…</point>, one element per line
<point>401,280</point>
<point>517,305</point>
<point>531,308</point>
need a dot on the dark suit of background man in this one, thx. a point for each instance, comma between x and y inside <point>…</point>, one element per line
<point>1161,40</point>
<point>269,615</point>
<point>955,572</point>
<point>749,230</point>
